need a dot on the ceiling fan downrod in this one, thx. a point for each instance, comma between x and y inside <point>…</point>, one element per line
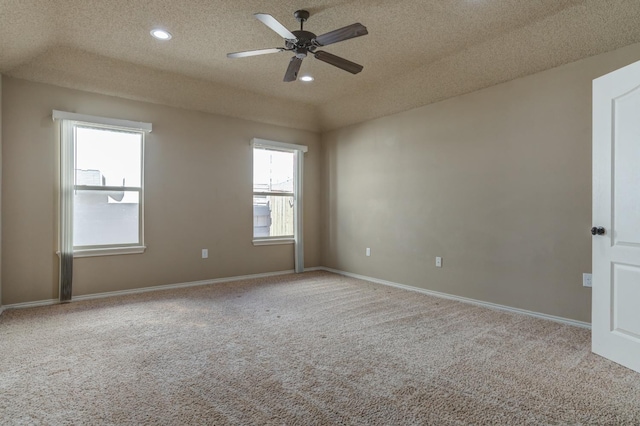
<point>301,16</point>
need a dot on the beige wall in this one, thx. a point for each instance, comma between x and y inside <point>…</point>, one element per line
<point>0,192</point>
<point>497,182</point>
<point>197,194</point>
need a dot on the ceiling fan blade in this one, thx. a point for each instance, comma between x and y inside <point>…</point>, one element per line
<point>292,70</point>
<point>255,52</point>
<point>339,62</point>
<point>276,26</point>
<point>345,33</point>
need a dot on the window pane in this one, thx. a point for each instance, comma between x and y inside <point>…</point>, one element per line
<point>108,157</point>
<point>272,171</point>
<point>272,216</point>
<point>105,217</point>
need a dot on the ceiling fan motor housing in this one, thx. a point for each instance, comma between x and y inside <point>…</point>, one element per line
<point>304,43</point>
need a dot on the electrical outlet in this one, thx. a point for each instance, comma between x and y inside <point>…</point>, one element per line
<point>438,262</point>
<point>368,252</point>
<point>205,253</point>
<point>586,280</point>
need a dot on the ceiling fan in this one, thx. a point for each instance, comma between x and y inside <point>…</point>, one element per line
<point>304,42</point>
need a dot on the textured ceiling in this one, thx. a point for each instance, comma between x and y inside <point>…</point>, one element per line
<point>417,51</point>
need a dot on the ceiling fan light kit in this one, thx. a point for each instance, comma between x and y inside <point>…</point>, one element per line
<point>303,43</point>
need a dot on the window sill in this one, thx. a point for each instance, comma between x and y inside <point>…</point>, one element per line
<point>273,241</point>
<point>109,251</point>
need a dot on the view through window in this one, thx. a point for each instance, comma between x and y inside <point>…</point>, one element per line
<point>273,193</point>
<point>107,199</point>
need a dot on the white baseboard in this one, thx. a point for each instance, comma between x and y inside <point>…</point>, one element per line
<point>148,289</point>
<point>461,299</point>
<point>316,268</point>
<point>35,304</point>
<point>179,285</point>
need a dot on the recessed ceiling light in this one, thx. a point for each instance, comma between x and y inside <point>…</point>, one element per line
<point>306,78</point>
<point>161,34</point>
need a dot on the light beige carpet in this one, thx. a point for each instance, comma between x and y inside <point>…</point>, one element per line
<point>308,349</point>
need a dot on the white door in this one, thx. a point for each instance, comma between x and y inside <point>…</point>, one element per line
<point>616,211</point>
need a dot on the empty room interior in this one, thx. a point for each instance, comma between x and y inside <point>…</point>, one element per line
<point>226,212</point>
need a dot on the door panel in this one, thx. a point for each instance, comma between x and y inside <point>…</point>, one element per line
<point>616,207</point>
<point>626,293</point>
<point>626,139</point>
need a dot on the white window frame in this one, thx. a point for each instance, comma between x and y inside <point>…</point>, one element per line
<point>298,173</point>
<point>69,123</point>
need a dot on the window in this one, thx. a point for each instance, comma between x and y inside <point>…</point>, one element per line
<point>107,201</point>
<point>102,170</point>
<point>277,195</point>
<point>273,196</point>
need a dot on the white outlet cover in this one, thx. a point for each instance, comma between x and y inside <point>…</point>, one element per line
<point>438,262</point>
<point>586,280</point>
<point>368,252</point>
<point>205,253</point>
